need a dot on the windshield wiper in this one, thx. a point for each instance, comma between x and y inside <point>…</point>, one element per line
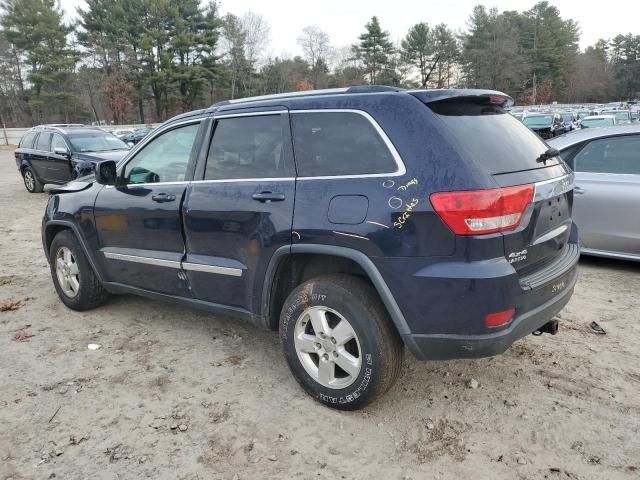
<point>552,152</point>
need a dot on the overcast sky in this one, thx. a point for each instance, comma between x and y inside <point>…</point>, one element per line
<point>344,20</point>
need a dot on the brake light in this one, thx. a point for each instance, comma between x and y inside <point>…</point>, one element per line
<point>478,212</point>
<point>499,319</point>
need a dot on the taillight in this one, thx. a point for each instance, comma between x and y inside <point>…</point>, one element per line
<point>499,319</point>
<point>477,212</point>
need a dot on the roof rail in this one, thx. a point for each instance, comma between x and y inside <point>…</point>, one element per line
<point>308,93</point>
<point>61,125</point>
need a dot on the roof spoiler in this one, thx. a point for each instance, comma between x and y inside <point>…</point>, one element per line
<point>488,97</point>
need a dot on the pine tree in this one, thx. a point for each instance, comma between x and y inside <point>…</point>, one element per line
<point>374,49</point>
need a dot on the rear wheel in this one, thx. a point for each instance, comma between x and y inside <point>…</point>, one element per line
<point>31,182</point>
<point>339,341</point>
<point>76,283</point>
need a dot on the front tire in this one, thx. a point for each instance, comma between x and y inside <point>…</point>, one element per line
<point>31,182</point>
<point>339,341</point>
<point>76,283</point>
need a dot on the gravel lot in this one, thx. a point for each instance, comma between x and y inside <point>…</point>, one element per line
<point>177,393</point>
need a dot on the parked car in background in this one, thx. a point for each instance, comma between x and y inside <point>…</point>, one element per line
<point>321,215</point>
<point>606,205</point>
<point>622,116</point>
<point>121,133</point>
<point>137,135</point>
<point>598,121</point>
<point>50,154</point>
<point>569,120</point>
<point>547,125</point>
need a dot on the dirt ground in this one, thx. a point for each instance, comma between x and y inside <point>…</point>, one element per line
<point>180,394</point>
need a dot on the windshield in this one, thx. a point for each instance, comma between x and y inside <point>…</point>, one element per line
<point>96,141</point>
<point>620,116</point>
<point>567,117</point>
<point>597,122</point>
<point>582,115</point>
<point>538,120</point>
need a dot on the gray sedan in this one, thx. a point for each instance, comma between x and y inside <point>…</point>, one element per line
<point>606,207</point>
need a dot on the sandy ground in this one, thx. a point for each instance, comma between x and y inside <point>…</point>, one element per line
<point>176,393</point>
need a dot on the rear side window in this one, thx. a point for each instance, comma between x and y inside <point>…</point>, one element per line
<point>43,142</point>
<point>250,147</point>
<point>610,155</point>
<point>27,140</point>
<point>489,136</point>
<point>339,143</point>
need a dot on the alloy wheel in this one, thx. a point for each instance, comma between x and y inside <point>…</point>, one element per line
<point>328,347</point>
<point>67,272</point>
<point>29,180</point>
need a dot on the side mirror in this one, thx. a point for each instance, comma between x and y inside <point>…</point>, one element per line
<point>62,151</point>
<point>106,172</point>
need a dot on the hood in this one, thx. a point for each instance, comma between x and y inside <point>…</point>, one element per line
<point>540,127</point>
<point>99,156</point>
<point>76,185</point>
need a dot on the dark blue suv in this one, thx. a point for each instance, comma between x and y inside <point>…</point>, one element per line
<point>354,221</point>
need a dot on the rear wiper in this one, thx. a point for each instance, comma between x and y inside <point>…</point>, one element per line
<point>552,152</point>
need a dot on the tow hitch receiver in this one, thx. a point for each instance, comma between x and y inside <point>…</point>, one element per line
<point>549,327</point>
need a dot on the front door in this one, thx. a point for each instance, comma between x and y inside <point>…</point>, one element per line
<point>59,164</point>
<point>139,221</point>
<point>40,156</point>
<point>607,194</point>
<point>240,208</point>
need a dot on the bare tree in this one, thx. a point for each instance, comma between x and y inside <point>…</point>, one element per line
<point>256,31</point>
<point>315,47</point>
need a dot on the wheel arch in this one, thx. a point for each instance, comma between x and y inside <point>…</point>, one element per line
<point>272,290</point>
<point>53,227</point>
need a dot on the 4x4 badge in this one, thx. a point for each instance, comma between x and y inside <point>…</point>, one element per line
<point>517,256</point>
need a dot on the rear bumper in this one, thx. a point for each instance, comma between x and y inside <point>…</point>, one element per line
<point>450,346</point>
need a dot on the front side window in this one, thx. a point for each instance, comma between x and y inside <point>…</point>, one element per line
<point>164,159</point>
<point>43,142</point>
<point>249,147</point>
<point>610,155</point>
<point>338,144</point>
<point>58,142</point>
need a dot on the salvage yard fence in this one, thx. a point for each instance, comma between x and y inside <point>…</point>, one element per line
<point>12,136</point>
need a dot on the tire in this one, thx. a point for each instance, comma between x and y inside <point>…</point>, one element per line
<point>76,283</point>
<point>31,182</point>
<point>316,358</point>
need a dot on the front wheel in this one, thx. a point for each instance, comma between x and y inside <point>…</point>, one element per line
<point>76,283</point>
<point>339,341</point>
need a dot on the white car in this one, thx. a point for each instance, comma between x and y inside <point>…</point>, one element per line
<point>598,121</point>
<point>123,132</point>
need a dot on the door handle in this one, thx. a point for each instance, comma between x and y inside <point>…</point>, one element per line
<point>163,197</point>
<point>266,197</point>
<point>579,190</point>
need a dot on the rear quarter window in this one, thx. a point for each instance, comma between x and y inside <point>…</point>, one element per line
<point>27,140</point>
<point>339,144</point>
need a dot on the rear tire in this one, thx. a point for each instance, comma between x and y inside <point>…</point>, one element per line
<point>31,182</point>
<point>76,283</point>
<point>339,341</point>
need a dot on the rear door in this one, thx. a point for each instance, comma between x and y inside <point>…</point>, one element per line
<point>239,210</point>
<point>607,204</point>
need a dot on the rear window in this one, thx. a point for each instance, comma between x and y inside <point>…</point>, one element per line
<point>27,140</point>
<point>338,144</point>
<point>490,136</point>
